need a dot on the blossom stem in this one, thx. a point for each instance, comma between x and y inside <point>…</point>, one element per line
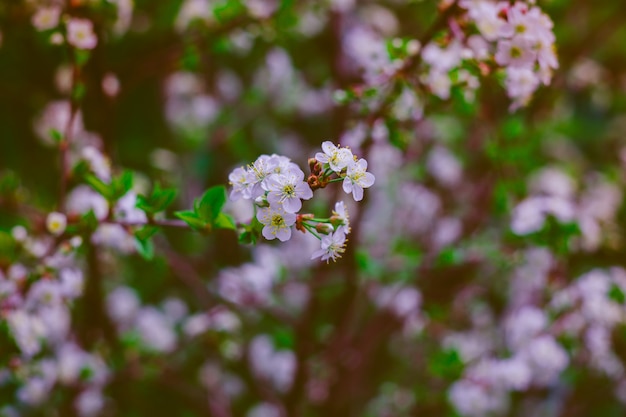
<point>311,229</point>
<point>315,219</point>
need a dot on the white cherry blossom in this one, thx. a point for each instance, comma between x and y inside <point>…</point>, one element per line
<point>337,158</point>
<point>288,190</point>
<point>277,222</point>
<point>333,245</point>
<point>357,178</point>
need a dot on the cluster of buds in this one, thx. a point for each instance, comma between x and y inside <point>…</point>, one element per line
<point>277,187</point>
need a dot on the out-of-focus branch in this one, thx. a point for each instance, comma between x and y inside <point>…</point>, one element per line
<point>208,299</point>
<point>188,276</point>
<point>345,334</point>
<point>66,140</point>
<point>170,223</point>
<point>411,63</point>
<point>95,321</point>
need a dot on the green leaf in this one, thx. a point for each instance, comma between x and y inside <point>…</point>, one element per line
<point>8,248</point>
<point>513,128</point>
<point>616,294</point>
<point>446,364</point>
<point>144,203</point>
<point>121,185</point>
<point>146,232</point>
<point>158,201</point>
<point>99,186</point>
<point>86,373</point>
<point>226,11</point>
<point>145,248</point>
<point>81,169</point>
<point>210,204</point>
<point>89,221</point>
<point>79,92</point>
<point>192,220</point>
<point>248,238</point>
<point>283,338</point>
<point>55,135</point>
<point>224,221</point>
<point>162,198</point>
<point>82,56</point>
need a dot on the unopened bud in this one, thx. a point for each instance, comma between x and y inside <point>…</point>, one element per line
<point>313,182</point>
<point>336,221</point>
<point>261,201</point>
<point>324,228</point>
<point>300,218</point>
<point>484,69</point>
<point>315,166</point>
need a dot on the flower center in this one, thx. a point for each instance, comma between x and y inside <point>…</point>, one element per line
<point>358,175</point>
<point>289,191</point>
<point>278,221</point>
<point>259,172</point>
<point>336,249</point>
<point>516,52</point>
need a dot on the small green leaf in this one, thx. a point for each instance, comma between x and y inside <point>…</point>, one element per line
<point>210,204</point>
<point>121,185</point>
<point>146,232</point>
<point>82,56</point>
<point>446,364</point>
<point>79,92</point>
<point>144,203</point>
<point>89,221</point>
<point>283,338</point>
<point>158,201</point>
<point>616,294</point>
<point>145,248</point>
<point>192,220</point>
<point>224,221</point>
<point>248,238</point>
<point>55,135</point>
<point>86,373</point>
<point>99,186</point>
<point>162,198</point>
<point>81,169</point>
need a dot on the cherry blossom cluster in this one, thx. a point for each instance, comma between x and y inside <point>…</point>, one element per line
<point>479,38</point>
<point>62,27</point>
<point>37,294</point>
<point>277,186</point>
<point>524,44</point>
<point>79,32</point>
<point>575,327</point>
<point>517,37</point>
<point>554,194</point>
